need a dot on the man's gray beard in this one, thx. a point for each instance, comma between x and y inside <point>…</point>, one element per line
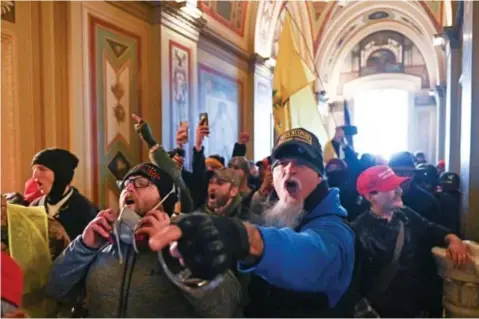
<point>282,214</point>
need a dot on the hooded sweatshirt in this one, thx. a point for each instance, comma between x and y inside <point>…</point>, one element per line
<point>138,287</point>
<point>317,257</point>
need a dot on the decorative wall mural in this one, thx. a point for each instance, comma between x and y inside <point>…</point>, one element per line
<point>383,60</point>
<point>221,97</point>
<point>8,11</point>
<point>232,14</point>
<point>180,93</point>
<point>385,52</point>
<point>381,52</point>
<point>266,17</point>
<point>115,85</point>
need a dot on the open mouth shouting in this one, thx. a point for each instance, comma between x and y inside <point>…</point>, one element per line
<point>129,201</point>
<point>211,199</point>
<point>40,186</point>
<point>292,187</point>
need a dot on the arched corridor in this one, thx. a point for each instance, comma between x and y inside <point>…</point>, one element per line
<point>303,133</point>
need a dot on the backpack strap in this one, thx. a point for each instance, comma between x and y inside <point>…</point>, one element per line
<point>387,274</point>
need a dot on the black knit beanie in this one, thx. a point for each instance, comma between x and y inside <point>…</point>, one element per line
<point>160,179</point>
<point>63,164</point>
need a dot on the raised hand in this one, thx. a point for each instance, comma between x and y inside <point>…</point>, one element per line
<point>244,138</point>
<point>136,118</point>
<point>267,184</point>
<point>97,232</point>
<point>153,222</point>
<point>201,131</point>
<point>206,245</point>
<point>182,135</point>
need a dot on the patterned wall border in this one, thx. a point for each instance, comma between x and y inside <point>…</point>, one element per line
<point>94,21</point>
<point>171,45</point>
<point>223,21</point>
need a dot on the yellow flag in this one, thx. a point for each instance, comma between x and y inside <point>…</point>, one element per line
<point>290,76</point>
<point>304,113</point>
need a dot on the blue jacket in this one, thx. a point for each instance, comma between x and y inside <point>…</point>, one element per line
<point>318,257</point>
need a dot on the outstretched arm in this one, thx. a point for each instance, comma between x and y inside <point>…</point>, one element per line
<point>162,159</point>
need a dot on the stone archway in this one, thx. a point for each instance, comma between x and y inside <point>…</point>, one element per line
<point>269,14</point>
<point>267,29</point>
<point>347,28</point>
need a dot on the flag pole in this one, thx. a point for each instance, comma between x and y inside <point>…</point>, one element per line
<point>312,60</point>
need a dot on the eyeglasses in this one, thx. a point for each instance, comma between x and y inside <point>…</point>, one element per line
<point>138,182</point>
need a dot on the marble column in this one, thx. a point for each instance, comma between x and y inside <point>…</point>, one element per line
<point>469,169</point>
<point>450,142</point>
<point>440,95</point>
<point>263,130</point>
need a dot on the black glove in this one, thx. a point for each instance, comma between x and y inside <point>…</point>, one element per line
<point>210,245</point>
<point>145,133</point>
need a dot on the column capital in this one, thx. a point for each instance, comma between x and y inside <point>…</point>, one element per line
<point>259,64</point>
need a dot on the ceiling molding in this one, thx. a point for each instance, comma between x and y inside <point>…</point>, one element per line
<point>140,9</point>
<point>259,66</point>
<point>425,49</point>
<point>213,43</point>
<point>177,20</point>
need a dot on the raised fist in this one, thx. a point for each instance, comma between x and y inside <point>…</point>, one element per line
<point>244,138</point>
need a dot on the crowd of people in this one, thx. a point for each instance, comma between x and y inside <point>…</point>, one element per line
<point>300,233</point>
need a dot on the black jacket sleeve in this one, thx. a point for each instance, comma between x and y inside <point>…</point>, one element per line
<point>199,178</point>
<point>239,150</point>
<point>436,234</point>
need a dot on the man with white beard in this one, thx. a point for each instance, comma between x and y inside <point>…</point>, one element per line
<point>301,259</point>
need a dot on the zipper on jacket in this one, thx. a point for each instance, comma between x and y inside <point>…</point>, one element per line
<point>125,270</point>
<point>128,284</point>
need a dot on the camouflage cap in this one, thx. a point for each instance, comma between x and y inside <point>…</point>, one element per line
<point>227,175</point>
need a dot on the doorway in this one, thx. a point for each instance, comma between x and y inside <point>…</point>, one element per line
<point>381,116</point>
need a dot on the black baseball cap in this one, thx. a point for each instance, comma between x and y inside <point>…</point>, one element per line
<point>301,144</point>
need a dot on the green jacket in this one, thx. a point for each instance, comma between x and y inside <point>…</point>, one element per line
<point>161,158</point>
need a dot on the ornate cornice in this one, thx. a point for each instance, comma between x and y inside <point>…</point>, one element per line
<point>170,14</point>
<point>226,51</point>
<point>141,9</point>
<point>210,35</point>
<point>258,64</point>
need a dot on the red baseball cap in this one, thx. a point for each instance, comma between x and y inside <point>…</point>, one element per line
<point>12,280</point>
<point>441,164</point>
<point>378,179</point>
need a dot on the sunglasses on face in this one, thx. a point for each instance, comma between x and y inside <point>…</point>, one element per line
<point>138,182</point>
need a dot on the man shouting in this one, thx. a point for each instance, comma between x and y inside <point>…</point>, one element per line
<point>120,275</point>
<point>301,257</point>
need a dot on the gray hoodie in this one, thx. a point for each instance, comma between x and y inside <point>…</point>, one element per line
<point>136,288</point>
